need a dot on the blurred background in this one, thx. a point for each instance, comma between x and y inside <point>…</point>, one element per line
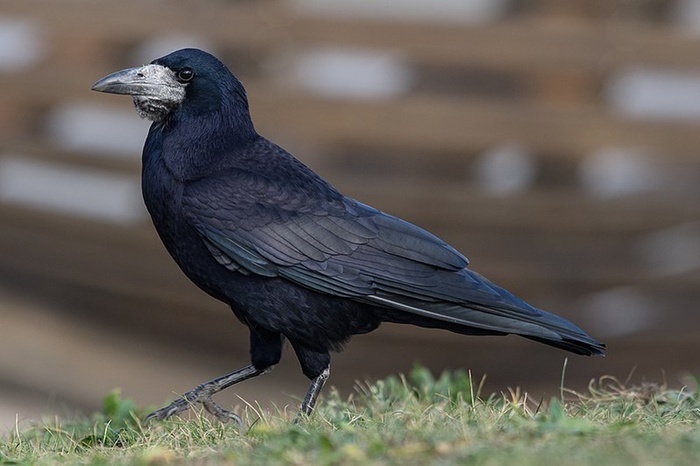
<point>555,142</point>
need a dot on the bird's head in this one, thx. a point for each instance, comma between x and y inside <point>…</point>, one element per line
<point>188,80</point>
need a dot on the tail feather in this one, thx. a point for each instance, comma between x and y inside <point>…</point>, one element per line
<point>585,348</point>
<point>555,331</point>
<point>539,325</point>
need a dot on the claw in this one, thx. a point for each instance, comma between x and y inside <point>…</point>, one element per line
<point>176,407</point>
<point>183,403</point>
<point>223,415</point>
<point>203,393</point>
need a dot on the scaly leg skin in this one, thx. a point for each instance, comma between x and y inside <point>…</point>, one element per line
<point>307,406</point>
<point>203,393</point>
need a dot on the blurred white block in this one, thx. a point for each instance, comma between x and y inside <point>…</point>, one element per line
<point>461,11</point>
<point>506,169</point>
<point>655,93</point>
<point>618,312</point>
<point>159,46</point>
<point>21,44</point>
<point>97,130</point>
<point>617,172</point>
<point>672,251</point>
<point>352,73</point>
<point>94,194</point>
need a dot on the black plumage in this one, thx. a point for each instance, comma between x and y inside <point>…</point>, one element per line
<point>294,258</point>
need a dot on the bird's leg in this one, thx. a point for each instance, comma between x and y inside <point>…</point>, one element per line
<point>204,392</point>
<point>317,383</point>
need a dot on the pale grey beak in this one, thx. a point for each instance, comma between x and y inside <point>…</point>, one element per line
<point>148,81</point>
<point>155,90</point>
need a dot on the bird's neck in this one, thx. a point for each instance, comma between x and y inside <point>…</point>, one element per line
<point>194,146</point>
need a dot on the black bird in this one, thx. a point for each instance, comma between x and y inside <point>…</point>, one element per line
<point>294,258</point>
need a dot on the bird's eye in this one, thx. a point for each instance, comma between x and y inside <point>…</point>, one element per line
<point>185,75</point>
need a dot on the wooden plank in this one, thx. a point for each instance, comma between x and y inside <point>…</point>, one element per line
<point>127,23</point>
<point>43,150</point>
<point>528,43</point>
<point>561,212</point>
<point>523,43</point>
<point>439,124</point>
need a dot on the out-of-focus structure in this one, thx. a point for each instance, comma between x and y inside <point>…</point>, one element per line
<point>556,143</point>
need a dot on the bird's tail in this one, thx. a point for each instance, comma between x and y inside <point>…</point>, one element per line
<point>505,318</point>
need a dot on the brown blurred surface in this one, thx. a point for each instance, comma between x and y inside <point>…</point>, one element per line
<point>89,303</point>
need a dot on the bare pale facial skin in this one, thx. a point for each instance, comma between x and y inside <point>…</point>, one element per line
<point>154,88</point>
<point>156,105</point>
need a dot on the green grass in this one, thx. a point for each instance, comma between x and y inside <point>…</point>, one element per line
<point>401,420</point>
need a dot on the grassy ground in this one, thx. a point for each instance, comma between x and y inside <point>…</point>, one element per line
<point>401,420</point>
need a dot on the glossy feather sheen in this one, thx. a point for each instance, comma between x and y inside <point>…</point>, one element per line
<point>257,229</point>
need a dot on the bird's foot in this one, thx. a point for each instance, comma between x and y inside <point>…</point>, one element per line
<point>201,395</point>
<point>220,413</point>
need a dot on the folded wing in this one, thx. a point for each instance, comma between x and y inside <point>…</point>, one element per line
<point>344,248</point>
